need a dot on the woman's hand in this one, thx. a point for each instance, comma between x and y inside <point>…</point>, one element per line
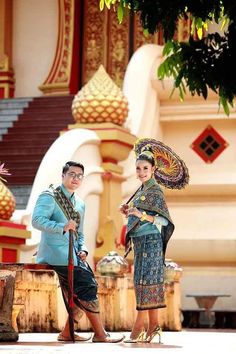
<point>134,211</point>
<point>124,209</point>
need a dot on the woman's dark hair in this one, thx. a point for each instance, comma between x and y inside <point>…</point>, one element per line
<point>72,163</point>
<point>146,155</point>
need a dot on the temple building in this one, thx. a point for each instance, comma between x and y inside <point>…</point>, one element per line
<point>74,84</point>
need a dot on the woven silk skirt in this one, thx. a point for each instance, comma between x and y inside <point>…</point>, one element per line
<point>85,286</point>
<point>148,272</point>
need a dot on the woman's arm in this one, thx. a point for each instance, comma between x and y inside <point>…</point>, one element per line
<point>143,216</point>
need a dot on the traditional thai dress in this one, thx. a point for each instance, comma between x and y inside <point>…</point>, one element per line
<point>52,211</point>
<point>149,242</point>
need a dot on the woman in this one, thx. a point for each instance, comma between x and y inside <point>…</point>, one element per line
<point>149,228</point>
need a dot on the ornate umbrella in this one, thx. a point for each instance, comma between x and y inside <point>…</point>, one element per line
<point>171,171</point>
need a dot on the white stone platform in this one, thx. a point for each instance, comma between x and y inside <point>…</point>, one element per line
<point>185,342</point>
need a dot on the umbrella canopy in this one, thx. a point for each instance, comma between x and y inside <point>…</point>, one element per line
<point>170,169</point>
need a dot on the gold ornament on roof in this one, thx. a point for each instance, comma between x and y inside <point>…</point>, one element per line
<point>7,202</point>
<point>100,101</point>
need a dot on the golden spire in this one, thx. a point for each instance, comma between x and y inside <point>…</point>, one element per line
<point>100,101</point>
<point>7,202</point>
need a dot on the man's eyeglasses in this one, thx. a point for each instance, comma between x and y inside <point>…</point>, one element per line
<point>75,175</point>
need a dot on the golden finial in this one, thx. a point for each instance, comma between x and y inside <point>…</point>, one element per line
<point>7,202</point>
<point>100,101</point>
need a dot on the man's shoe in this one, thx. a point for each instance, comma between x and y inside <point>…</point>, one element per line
<point>107,339</point>
<point>62,338</point>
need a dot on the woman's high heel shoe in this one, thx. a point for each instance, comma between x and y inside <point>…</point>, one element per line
<point>156,332</point>
<point>140,338</point>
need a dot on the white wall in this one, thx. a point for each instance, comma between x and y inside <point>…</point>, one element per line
<point>214,280</point>
<point>180,135</point>
<point>35,28</point>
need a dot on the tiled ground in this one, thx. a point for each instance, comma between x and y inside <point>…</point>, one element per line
<point>185,342</point>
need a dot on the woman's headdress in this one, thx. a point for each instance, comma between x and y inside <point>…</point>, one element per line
<point>146,151</point>
<point>170,169</point>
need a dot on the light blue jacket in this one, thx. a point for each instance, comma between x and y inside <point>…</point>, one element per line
<point>50,220</point>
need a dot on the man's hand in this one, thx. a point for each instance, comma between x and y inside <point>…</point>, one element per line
<point>82,255</point>
<point>71,225</point>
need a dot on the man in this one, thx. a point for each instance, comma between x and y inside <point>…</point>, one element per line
<point>55,214</point>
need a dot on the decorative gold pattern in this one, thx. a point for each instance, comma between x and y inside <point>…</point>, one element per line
<point>60,74</point>
<point>94,41</point>
<point>4,63</point>
<point>183,30</point>
<point>104,42</point>
<point>7,81</point>
<point>182,33</point>
<point>7,202</point>
<point>63,74</point>
<point>138,36</point>
<point>99,101</point>
<point>118,47</point>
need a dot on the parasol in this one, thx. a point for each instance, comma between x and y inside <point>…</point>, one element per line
<point>71,286</point>
<point>171,171</point>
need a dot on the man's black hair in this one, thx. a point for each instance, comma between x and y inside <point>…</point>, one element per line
<point>72,163</point>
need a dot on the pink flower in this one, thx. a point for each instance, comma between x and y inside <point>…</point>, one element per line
<point>3,171</point>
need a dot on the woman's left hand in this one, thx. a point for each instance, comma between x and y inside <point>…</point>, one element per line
<point>82,255</point>
<point>134,211</point>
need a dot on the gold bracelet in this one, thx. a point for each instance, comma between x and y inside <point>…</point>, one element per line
<point>144,216</point>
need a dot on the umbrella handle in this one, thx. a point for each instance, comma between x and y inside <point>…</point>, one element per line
<point>71,248</point>
<point>71,284</point>
<point>132,196</point>
<point>71,267</point>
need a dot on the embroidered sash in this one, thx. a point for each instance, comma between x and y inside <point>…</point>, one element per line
<point>151,198</point>
<point>66,206</point>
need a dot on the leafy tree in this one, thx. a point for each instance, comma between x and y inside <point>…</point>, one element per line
<point>202,63</point>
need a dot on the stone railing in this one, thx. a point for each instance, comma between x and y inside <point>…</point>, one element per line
<point>38,304</point>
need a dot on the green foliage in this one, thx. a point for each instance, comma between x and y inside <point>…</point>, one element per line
<point>202,65</point>
<point>120,12</point>
<point>199,64</point>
